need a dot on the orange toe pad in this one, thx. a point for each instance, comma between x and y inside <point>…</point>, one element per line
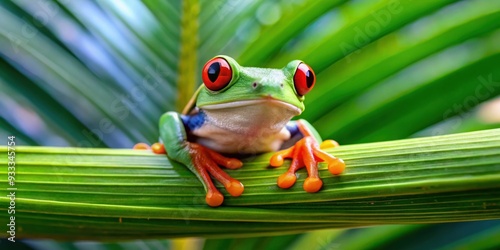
<point>312,184</point>
<point>214,199</point>
<point>141,146</point>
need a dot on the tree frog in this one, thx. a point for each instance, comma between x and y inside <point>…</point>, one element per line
<point>243,110</point>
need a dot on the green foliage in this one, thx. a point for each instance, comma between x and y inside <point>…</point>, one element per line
<point>99,74</point>
<point>109,192</point>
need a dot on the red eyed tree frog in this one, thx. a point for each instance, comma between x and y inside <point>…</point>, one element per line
<point>242,110</point>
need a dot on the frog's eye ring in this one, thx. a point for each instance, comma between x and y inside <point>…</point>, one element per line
<point>217,74</point>
<point>303,79</point>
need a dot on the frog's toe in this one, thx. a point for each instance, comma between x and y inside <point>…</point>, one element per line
<point>158,148</point>
<point>287,180</point>
<point>235,188</point>
<point>279,157</point>
<point>214,198</point>
<point>328,144</point>
<point>230,163</point>
<point>141,146</point>
<point>312,184</point>
<point>335,165</point>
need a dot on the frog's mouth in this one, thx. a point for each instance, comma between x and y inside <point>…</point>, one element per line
<point>258,102</point>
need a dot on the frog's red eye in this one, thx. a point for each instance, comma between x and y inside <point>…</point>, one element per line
<point>304,79</point>
<point>217,74</point>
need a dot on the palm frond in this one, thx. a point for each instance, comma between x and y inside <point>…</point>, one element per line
<point>108,192</point>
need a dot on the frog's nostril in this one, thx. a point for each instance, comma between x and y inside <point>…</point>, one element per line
<point>255,84</point>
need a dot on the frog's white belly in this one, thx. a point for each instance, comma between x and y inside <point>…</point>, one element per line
<point>225,141</point>
<point>255,127</point>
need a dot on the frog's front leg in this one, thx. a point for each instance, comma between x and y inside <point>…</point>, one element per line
<point>201,160</point>
<point>306,153</point>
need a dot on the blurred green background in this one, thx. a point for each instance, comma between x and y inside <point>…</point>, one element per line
<point>100,74</point>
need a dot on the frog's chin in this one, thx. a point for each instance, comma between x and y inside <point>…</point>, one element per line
<point>251,117</point>
<point>258,102</point>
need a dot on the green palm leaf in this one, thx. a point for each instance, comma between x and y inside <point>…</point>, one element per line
<point>409,181</point>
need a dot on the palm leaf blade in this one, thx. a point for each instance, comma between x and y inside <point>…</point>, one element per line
<point>390,182</point>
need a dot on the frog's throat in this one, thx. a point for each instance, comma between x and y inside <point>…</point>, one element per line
<point>243,103</point>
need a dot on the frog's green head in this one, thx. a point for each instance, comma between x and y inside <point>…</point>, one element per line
<point>229,85</point>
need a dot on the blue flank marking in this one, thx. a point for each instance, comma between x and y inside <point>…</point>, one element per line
<point>195,121</point>
<point>292,128</point>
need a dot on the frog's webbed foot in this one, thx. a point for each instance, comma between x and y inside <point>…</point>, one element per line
<point>307,153</point>
<point>157,148</point>
<point>207,161</point>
